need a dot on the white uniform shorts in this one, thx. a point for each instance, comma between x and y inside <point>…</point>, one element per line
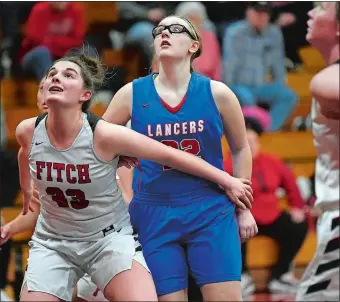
<point>320,281</point>
<point>55,266</point>
<point>88,290</point>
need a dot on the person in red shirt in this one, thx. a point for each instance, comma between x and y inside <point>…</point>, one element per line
<point>288,228</point>
<point>52,29</point>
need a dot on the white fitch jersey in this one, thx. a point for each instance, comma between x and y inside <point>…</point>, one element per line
<point>326,141</point>
<point>79,196</point>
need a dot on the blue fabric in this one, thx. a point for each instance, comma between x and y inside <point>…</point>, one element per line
<point>196,128</point>
<point>280,98</point>
<point>199,234</point>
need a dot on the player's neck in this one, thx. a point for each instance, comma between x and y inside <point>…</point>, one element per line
<point>63,124</point>
<point>330,54</point>
<point>174,75</point>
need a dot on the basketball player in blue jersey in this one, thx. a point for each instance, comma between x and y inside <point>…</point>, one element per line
<point>71,157</point>
<point>184,222</point>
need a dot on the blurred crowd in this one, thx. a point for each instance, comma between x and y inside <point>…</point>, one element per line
<point>247,45</point>
<point>250,46</point>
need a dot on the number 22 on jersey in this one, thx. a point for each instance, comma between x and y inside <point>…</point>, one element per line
<point>187,145</point>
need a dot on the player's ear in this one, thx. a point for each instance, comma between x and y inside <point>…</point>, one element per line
<point>86,96</point>
<point>194,47</point>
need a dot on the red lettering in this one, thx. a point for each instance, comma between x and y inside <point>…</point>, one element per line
<point>188,145</point>
<point>49,171</point>
<point>83,174</point>
<point>77,202</point>
<point>69,168</point>
<point>40,165</point>
<point>59,167</point>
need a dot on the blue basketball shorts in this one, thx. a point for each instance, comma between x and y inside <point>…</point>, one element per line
<point>192,232</point>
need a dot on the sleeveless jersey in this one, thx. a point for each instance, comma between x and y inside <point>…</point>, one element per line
<point>79,197</point>
<point>326,140</point>
<point>193,126</point>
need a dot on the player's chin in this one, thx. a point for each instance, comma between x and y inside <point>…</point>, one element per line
<point>166,53</point>
<point>309,37</point>
<point>330,113</point>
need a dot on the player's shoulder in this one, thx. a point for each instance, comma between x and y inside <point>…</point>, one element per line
<point>25,130</point>
<point>329,71</point>
<point>27,124</point>
<point>144,80</point>
<point>105,132</point>
<point>220,90</point>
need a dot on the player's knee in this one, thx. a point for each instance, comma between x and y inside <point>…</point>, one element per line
<point>222,291</point>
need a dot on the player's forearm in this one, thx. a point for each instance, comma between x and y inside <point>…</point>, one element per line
<point>196,166</point>
<point>23,223</point>
<point>242,163</point>
<point>242,166</point>
<point>24,172</point>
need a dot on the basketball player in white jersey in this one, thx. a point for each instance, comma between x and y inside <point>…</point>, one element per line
<point>321,278</point>
<point>86,289</point>
<point>84,226</point>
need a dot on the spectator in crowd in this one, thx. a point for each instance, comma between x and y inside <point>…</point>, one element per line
<point>9,188</point>
<point>9,29</point>
<point>135,24</point>
<point>223,13</point>
<point>209,62</point>
<point>136,21</point>
<point>292,18</point>
<point>288,228</point>
<point>253,50</point>
<point>52,29</point>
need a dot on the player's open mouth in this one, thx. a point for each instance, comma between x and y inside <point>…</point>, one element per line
<point>55,89</point>
<point>165,43</point>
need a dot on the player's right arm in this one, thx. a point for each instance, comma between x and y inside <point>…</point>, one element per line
<point>113,140</point>
<point>120,108</point>
<point>24,135</point>
<point>325,89</point>
<point>21,223</point>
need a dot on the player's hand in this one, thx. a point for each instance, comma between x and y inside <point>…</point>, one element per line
<point>5,233</point>
<point>27,197</point>
<point>240,192</point>
<point>297,215</point>
<point>247,225</point>
<point>128,162</point>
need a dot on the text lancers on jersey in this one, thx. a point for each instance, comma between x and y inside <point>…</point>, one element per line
<point>168,129</point>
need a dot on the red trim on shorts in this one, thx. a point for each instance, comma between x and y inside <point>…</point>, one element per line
<point>176,108</point>
<point>140,175</point>
<point>237,225</point>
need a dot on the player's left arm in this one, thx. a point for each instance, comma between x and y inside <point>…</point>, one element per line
<point>234,129</point>
<point>325,88</point>
<point>124,180</point>
<point>235,132</point>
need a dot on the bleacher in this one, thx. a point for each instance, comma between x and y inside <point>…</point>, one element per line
<point>296,148</point>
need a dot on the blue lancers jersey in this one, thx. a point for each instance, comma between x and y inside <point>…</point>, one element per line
<point>194,126</point>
